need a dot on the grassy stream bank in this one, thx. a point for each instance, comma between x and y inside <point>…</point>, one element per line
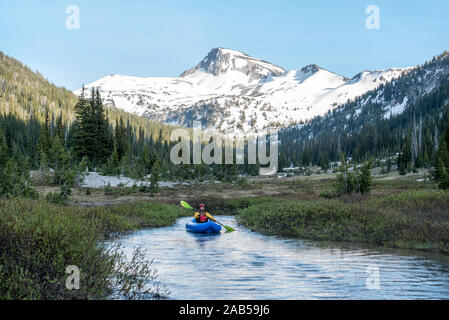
<point>40,240</point>
<point>410,220</point>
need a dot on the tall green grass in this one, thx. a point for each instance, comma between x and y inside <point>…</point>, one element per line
<point>413,219</point>
<point>39,240</point>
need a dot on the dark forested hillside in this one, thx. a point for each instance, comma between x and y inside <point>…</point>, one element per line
<point>28,103</point>
<point>45,126</point>
<point>26,94</point>
<point>407,116</point>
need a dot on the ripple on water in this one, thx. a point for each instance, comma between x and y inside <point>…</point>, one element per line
<point>248,265</point>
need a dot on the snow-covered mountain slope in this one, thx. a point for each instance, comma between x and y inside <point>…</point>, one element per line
<point>230,90</point>
<point>402,97</point>
<point>393,98</point>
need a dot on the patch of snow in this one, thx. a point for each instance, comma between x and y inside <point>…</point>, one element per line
<point>96,180</point>
<point>396,109</point>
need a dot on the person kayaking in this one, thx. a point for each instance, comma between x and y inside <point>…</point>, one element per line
<point>202,216</point>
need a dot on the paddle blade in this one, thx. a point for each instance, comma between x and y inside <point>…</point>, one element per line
<point>228,228</point>
<point>185,205</point>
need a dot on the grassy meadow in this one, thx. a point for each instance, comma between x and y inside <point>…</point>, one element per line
<point>39,240</point>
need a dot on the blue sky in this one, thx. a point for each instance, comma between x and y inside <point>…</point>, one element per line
<point>163,38</point>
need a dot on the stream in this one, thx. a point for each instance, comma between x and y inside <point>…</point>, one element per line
<point>249,265</point>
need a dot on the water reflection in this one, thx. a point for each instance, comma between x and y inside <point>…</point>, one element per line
<point>248,265</point>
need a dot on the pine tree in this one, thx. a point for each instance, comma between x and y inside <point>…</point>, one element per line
<point>343,183</point>
<point>365,178</point>
<point>402,164</point>
<point>103,147</point>
<point>91,135</point>
<point>389,165</point>
<point>113,164</point>
<point>47,129</point>
<point>60,129</point>
<point>441,173</point>
<point>80,127</point>
<point>120,138</point>
<point>58,160</point>
<point>414,144</point>
<point>44,139</point>
<point>154,179</point>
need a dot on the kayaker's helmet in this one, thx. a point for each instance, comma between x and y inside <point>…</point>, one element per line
<point>202,205</point>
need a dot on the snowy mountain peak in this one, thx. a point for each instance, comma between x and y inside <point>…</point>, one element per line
<point>221,61</point>
<point>229,89</point>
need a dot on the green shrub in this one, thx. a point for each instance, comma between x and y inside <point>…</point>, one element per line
<point>359,181</point>
<point>108,190</point>
<point>326,194</point>
<point>144,188</point>
<point>15,183</point>
<point>415,219</point>
<point>39,240</point>
<point>57,197</point>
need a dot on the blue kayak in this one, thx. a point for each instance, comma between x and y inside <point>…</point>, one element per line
<point>206,227</point>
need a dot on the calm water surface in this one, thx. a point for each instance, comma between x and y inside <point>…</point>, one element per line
<point>248,265</point>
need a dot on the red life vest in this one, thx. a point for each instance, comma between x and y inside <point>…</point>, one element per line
<point>203,218</point>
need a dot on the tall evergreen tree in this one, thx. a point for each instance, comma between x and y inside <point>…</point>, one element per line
<point>155,173</point>
<point>103,145</point>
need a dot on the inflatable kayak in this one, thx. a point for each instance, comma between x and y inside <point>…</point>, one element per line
<point>206,227</point>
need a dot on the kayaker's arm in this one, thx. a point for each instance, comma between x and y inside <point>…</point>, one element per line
<point>210,216</point>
